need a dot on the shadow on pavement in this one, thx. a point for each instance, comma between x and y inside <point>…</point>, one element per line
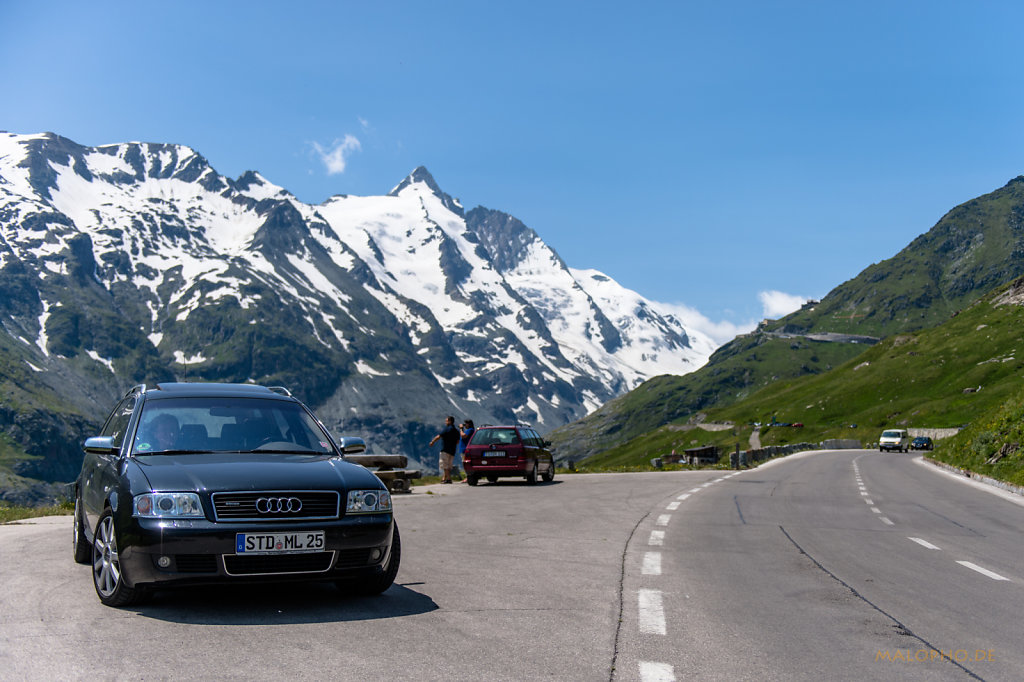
<point>280,604</point>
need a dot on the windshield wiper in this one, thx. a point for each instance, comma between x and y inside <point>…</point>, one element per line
<point>173,452</point>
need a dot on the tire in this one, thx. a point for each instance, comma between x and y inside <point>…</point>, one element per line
<point>492,479</point>
<point>472,479</point>
<point>384,576</point>
<point>107,574</point>
<point>80,547</point>
<point>549,475</point>
<point>531,475</point>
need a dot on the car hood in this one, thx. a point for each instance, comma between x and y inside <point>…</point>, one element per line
<point>253,471</point>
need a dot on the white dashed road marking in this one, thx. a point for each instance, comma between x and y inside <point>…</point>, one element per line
<point>983,571</point>
<point>652,612</point>
<point>652,563</point>
<point>656,672</point>
<point>924,543</point>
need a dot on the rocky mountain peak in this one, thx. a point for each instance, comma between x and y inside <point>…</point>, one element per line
<point>422,176</point>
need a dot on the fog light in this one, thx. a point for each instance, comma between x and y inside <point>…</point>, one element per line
<point>164,562</point>
<point>376,553</point>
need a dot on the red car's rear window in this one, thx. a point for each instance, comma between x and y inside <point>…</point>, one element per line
<point>494,437</point>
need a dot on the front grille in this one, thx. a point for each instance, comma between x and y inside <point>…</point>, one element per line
<point>196,563</point>
<point>265,564</point>
<point>272,505</point>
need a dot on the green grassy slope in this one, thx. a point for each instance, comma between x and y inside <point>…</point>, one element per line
<point>991,445</point>
<point>943,377</point>
<point>971,250</point>
<point>974,248</point>
<point>743,366</point>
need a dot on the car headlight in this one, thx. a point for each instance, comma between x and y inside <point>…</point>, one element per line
<point>368,502</point>
<point>168,505</point>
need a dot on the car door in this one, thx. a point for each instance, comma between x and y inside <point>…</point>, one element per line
<point>99,471</point>
<point>530,449</point>
<point>543,453</point>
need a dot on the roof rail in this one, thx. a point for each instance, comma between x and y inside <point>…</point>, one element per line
<point>281,389</point>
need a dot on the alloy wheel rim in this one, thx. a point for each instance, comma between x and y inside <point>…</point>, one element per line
<point>106,567</point>
<point>76,529</point>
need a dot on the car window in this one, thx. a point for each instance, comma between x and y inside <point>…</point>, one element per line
<point>117,422</point>
<point>494,437</point>
<point>227,425</point>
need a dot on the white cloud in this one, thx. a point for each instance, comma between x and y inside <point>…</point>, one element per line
<point>334,158</point>
<point>719,332</point>
<point>777,304</point>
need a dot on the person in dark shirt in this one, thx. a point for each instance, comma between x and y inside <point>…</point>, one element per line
<point>466,430</point>
<point>449,438</point>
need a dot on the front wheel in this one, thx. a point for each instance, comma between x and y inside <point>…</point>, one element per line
<point>549,475</point>
<point>80,547</point>
<point>107,575</point>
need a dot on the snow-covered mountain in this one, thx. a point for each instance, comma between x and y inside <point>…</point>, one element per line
<point>132,263</point>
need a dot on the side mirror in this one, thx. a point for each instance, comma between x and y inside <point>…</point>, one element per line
<point>351,445</point>
<point>100,445</point>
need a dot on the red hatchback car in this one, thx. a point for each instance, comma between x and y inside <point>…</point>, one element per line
<point>504,451</point>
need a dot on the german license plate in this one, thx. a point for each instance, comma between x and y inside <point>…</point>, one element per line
<point>495,453</point>
<point>279,543</point>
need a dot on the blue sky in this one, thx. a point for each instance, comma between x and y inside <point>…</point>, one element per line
<point>700,153</point>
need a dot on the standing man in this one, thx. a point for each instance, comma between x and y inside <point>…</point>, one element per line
<point>449,438</point>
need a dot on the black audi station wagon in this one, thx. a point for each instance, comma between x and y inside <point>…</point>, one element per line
<point>191,483</point>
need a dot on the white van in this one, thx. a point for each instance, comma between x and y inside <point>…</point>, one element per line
<point>894,439</point>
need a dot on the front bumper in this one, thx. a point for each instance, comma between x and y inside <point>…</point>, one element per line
<point>165,553</point>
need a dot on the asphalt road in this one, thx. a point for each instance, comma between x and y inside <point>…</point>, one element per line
<point>837,565</point>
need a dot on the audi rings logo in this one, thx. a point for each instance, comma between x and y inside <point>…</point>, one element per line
<point>278,505</point>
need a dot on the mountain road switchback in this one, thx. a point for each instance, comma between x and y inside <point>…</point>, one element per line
<point>839,564</point>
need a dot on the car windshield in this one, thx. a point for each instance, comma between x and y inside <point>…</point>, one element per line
<point>193,425</point>
<point>891,434</point>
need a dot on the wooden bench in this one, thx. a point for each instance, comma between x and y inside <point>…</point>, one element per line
<point>391,469</point>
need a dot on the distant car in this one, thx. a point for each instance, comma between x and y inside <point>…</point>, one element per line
<point>191,483</point>
<point>505,452</point>
<point>894,439</point>
<point>922,443</point>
